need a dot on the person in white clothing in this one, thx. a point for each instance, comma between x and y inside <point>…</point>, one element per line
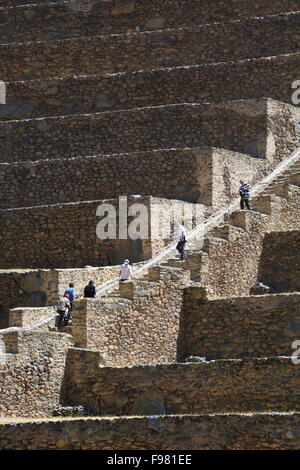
<point>181,243</point>
<point>181,232</point>
<point>125,271</point>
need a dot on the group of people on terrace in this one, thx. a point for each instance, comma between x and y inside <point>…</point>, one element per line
<point>65,305</point>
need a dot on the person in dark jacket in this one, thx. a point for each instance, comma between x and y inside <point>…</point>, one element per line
<point>90,290</point>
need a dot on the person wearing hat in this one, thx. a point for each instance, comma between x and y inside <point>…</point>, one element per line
<point>125,271</point>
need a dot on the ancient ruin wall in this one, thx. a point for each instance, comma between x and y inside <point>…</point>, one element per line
<point>191,388</point>
<point>197,84</point>
<point>227,259</point>
<point>279,264</point>
<point>31,372</point>
<point>271,36</point>
<point>69,20</point>
<point>39,288</point>
<point>227,172</point>
<point>203,175</point>
<point>66,235</point>
<point>240,432</point>
<point>241,126</point>
<point>29,316</point>
<point>236,327</point>
<point>53,237</point>
<point>141,327</point>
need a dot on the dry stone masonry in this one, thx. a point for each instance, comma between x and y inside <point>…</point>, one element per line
<point>169,104</point>
<point>270,36</point>
<point>204,175</point>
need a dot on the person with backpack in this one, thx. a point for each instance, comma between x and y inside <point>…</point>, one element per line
<point>63,309</point>
<point>90,290</point>
<point>245,195</point>
<point>125,271</point>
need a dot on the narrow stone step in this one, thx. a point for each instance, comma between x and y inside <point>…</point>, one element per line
<point>114,300</point>
<point>281,190</point>
<point>211,242</point>
<point>223,231</point>
<point>134,288</point>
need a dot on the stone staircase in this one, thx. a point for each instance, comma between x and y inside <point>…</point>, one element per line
<point>171,102</point>
<point>241,230</point>
<point>290,176</point>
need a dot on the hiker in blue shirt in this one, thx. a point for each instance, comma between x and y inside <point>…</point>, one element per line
<point>72,293</point>
<point>245,195</point>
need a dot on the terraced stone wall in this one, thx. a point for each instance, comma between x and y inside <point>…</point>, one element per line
<point>271,36</point>
<point>205,175</point>
<point>70,19</point>
<point>227,259</point>
<point>241,126</point>
<point>66,235</point>
<point>81,277</point>
<point>53,237</point>
<point>237,327</point>
<point>190,388</point>
<point>25,317</point>
<point>31,372</point>
<point>13,3</point>
<point>228,170</point>
<point>198,84</point>
<point>139,327</point>
<point>25,288</point>
<point>279,264</point>
<point>240,432</point>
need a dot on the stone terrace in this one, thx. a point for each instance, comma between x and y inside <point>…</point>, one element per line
<point>48,232</point>
<point>268,36</point>
<point>51,21</point>
<point>91,94</point>
<point>175,103</point>
<point>241,126</point>
<point>231,431</point>
<point>25,288</point>
<point>215,386</point>
<point>205,175</point>
<point>239,327</point>
<point>280,264</point>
